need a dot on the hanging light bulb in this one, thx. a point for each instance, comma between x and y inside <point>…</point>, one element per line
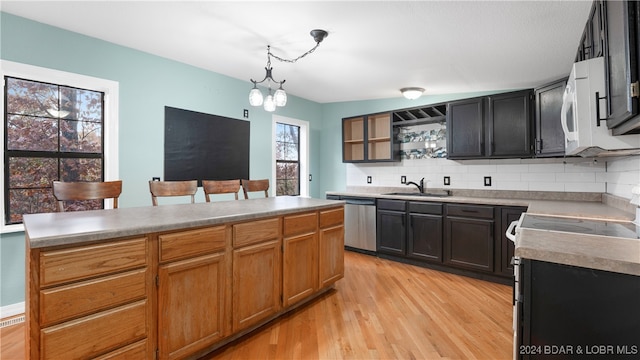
<point>280,96</point>
<point>255,96</point>
<point>269,103</point>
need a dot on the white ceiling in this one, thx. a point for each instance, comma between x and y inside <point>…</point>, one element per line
<point>373,48</point>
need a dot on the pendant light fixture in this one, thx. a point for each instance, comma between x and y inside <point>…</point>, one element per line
<point>279,98</point>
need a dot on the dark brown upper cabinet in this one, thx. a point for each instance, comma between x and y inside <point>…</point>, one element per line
<point>549,135</point>
<point>496,126</point>
<point>621,63</point>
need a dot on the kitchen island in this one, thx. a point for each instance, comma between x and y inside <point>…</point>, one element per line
<point>174,281</point>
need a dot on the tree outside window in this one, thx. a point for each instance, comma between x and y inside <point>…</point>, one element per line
<point>52,132</point>
<point>287,159</point>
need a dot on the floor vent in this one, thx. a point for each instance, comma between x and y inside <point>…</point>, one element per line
<point>12,321</point>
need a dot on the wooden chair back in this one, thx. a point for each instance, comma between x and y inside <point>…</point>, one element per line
<point>255,185</point>
<point>172,188</point>
<point>220,187</point>
<point>79,191</point>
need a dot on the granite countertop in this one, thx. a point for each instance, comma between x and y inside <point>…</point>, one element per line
<point>52,229</point>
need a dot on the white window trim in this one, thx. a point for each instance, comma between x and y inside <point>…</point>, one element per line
<point>304,152</point>
<point>111,96</point>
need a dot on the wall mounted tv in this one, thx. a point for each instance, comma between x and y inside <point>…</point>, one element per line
<point>199,146</point>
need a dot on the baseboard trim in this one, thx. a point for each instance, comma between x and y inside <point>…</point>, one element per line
<point>10,310</point>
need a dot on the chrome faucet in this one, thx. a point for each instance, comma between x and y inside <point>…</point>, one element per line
<point>419,186</point>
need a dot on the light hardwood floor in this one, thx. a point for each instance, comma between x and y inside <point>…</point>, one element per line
<point>380,310</point>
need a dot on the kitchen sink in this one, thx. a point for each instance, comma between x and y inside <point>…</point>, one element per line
<point>433,194</point>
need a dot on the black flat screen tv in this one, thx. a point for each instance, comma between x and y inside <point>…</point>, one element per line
<point>199,146</point>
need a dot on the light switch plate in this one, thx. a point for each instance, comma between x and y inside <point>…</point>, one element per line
<point>369,179</point>
<point>403,179</point>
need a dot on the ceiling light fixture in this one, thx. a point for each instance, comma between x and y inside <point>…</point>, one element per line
<point>279,98</point>
<point>412,93</point>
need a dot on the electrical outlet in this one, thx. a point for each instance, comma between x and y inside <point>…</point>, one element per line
<point>403,179</point>
<point>447,180</point>
<point>245,113</point>
<point>310,177</point>
<point>487,181</point>
<point>369,180</point>
<point>155,178</point>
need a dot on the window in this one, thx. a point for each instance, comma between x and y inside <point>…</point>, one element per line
<point>57,126</point>
<point>290,168</point>
<point>287,159</point>
<point>52,132</point>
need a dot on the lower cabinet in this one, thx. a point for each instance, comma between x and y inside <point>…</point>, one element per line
<point>178,294</point>
<point>193,290</point>
<point>424,239</point>
<point>462,238</point>
<point>257,269</point>
<point>391,227</point>
<point>192,304</point>
<point>469,239</point>
<point>78,294</point>
<point>331,246</point>
<point>300,257</point>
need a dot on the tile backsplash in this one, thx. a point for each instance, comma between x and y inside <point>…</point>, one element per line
<point>563,175</point>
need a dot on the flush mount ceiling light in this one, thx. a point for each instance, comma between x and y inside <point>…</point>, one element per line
<point>279,98</point>
<point>412,93</point>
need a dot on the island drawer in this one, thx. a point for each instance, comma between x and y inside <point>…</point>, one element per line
<point>83,262</point>
<point>184,244</point>
<point>331,217</point>
<point>82,298</point>
<point>114,328</point>
<point>300,224</point>
<point>256,231</point>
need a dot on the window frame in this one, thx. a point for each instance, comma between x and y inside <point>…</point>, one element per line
<point>110,89</point>
<point>303,152</point>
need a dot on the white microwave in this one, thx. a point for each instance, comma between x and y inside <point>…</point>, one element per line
<point>584,114</point>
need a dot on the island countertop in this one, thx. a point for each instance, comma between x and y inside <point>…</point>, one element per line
<point>52,229</point>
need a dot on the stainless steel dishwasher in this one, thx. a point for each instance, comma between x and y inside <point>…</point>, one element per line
<point>360,224</point>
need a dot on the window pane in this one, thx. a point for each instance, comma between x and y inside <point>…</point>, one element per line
<point>74,169</point>
<point>32,133</point>
<point>29,172</point>
<point>31,98</point>
<point>287,182</point>
<point>29,201</point>
<point>81,104</point>
<point>80,136</point>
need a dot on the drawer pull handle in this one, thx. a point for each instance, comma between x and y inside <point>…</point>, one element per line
<point>469,211</point>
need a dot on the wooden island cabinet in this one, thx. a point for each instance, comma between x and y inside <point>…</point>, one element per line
<point>101,287</point>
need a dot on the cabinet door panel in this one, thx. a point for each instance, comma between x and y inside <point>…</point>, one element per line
<point>510,131</point>
<point>191,299</point>
<point>391,232</point>
<point>300,274</point>
<point>425,237</point>
<point>469,243</point>
<point>331,255</point>
<point>549,134</point>
<point>465,129</point>
<point>621,62</point>
<point>257,272</point>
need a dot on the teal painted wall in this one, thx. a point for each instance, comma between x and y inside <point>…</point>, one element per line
<point>147,84</point>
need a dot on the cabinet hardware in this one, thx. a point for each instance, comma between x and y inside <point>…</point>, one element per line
<point>157,281</point>
<point>635,89</point>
